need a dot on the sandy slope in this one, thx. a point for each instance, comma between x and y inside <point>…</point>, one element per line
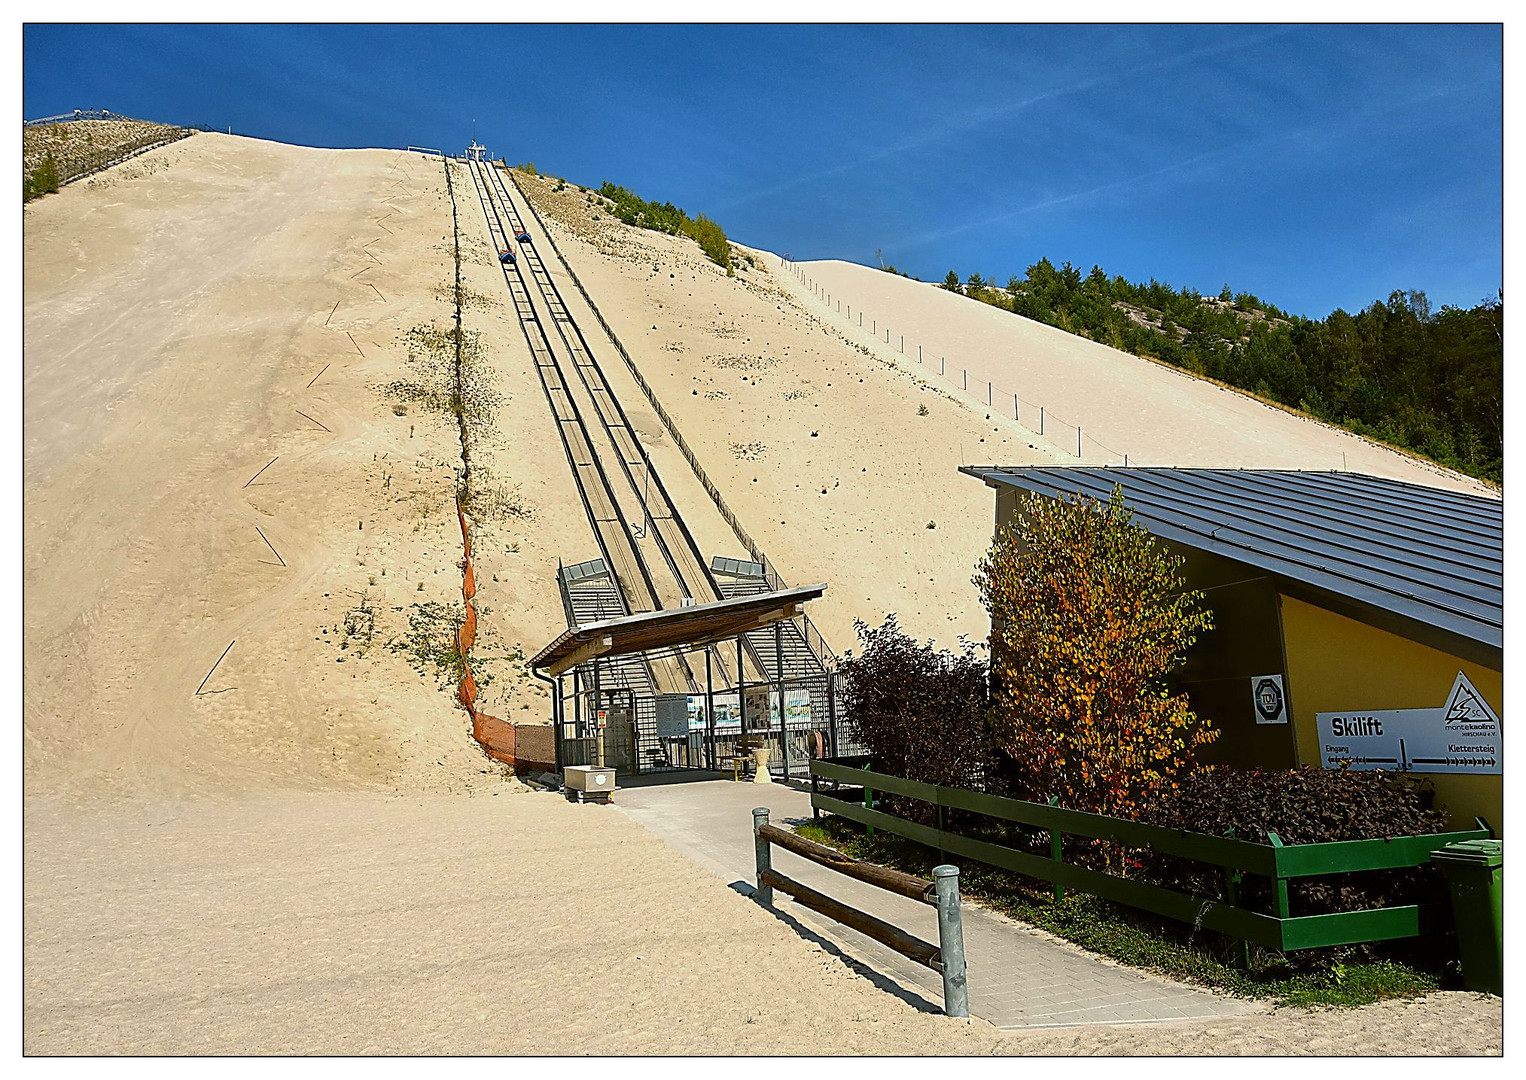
<point>1123,404</point>
<point>174,318</point>
<point>813,430</point>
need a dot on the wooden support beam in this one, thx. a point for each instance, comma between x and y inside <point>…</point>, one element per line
<point>913,948</point>
<point>883,877</point>
<point>585,652</point>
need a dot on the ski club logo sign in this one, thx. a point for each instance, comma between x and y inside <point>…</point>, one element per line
<point>1270,702</point>
<point>1462,736</point>
<point>1466,707</point>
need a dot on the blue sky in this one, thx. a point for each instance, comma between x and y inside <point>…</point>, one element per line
<point>1314,166</point>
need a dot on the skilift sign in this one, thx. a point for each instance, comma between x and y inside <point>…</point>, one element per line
<point>1462,736</point>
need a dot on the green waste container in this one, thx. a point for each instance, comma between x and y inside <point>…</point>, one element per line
<point>1475,869</point>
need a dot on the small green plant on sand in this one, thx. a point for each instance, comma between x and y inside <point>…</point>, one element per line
<point>430,643</point>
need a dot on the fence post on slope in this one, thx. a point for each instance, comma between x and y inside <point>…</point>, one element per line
<point>1041,419</point>
<point>1078,442</point>
<point>1016,415</point>
<point>989,399</point>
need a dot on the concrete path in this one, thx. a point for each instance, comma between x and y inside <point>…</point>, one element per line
<point>1018,976</point>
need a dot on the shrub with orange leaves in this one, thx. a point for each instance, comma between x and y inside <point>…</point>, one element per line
<point>1089,615</point>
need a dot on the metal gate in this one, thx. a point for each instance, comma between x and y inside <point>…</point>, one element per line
<point>644,733</point>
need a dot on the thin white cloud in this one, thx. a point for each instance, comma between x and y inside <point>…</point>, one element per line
<point>992,114</point>
<point>1310,138</point>
<point>1060,200</point>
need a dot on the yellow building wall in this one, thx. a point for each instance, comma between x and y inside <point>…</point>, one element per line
<point>1337,664</point>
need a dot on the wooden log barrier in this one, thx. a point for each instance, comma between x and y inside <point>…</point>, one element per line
<point>913,948</point>
<point>880,876</point>
<point>947,957</point>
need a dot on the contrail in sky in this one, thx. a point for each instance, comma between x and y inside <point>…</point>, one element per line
<point>992,114</point>
<point>1378,109</point>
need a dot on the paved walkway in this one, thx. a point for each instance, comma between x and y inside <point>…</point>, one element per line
<point>1018,976</point>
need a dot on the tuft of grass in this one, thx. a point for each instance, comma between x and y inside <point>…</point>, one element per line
<point>1134,938</point>
<point>430,643</point>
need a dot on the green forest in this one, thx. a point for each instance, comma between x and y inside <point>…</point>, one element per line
<point>1426,381</point>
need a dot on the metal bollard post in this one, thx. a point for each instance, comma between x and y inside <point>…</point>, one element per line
<point>956,992</point>
<point>761,847</point>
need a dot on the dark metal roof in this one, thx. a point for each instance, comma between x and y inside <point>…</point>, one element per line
<point>1425,554</point>
<point>697,625</point>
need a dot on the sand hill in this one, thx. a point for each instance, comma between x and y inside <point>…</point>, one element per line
<point>1154,413</point>
<point>840,452</point>
<point>234,436</point>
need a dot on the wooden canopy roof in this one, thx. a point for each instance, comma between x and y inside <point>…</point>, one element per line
<point>694,626</point>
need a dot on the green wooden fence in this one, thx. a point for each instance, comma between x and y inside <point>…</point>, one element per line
<point>1273,860</point>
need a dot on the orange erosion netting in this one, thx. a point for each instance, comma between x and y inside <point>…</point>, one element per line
<point>499,739</point>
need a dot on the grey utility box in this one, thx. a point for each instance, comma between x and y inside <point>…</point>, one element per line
<point>589,779</point>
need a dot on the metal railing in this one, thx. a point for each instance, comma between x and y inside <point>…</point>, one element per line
<point>1273,860</point>
<point>814,638</point>
<point>74,166</point>
<point>77,114</point>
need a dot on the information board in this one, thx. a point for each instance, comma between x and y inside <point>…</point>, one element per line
<point>1461,736</point>
<point>725,711</point>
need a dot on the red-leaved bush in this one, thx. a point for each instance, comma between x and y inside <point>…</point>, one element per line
<point>1302,806</point>
<point>920,712</point>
